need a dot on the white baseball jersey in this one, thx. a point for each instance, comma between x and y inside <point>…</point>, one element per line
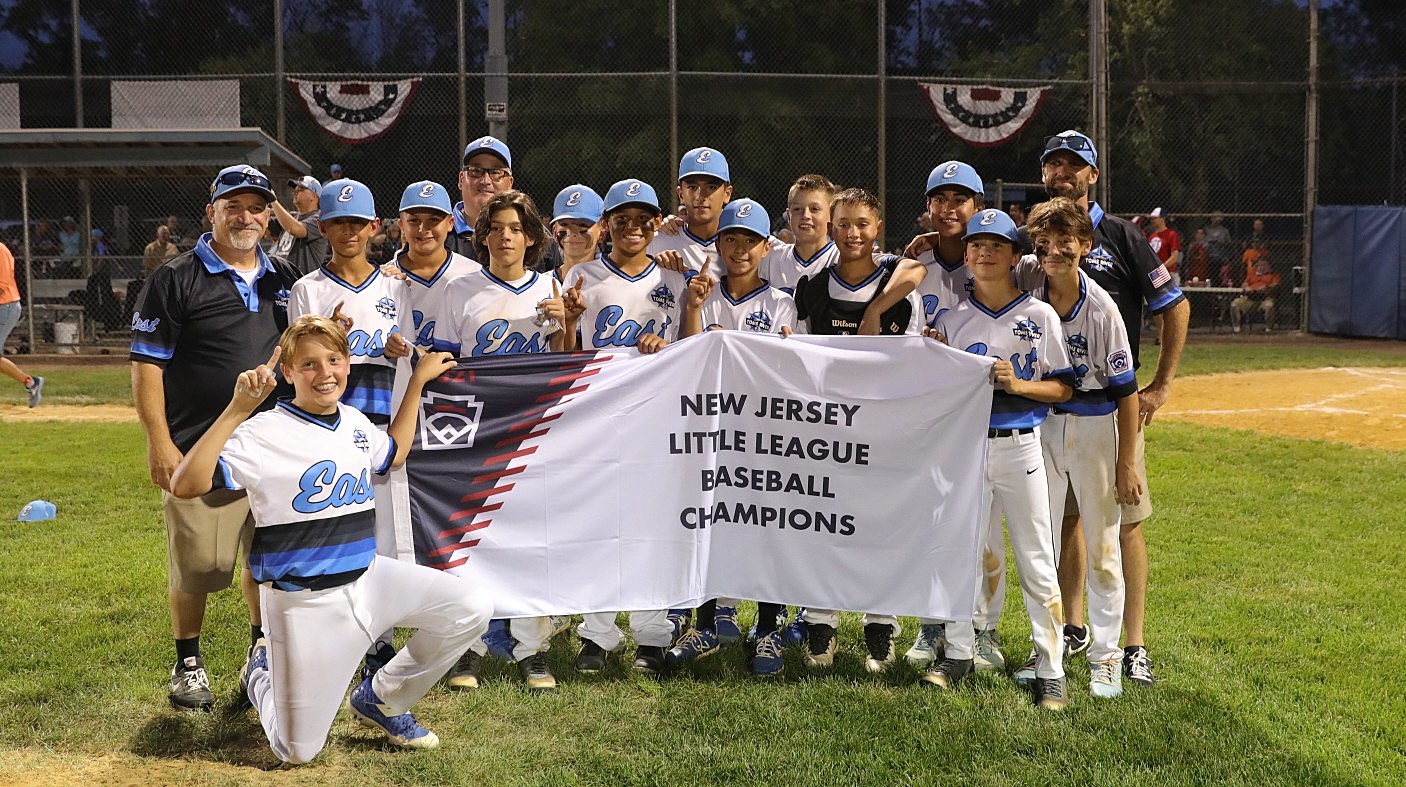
<point>488,316</point>
<point>699,254</point>
<point>309,482</point>
<point>619,308</point>
<point>373,311</point>
<point>944,286</point>
<point>423,304</point>
<point>763,310</point>
<point>1025,332</point>
<point>864,292</point>
<point>782,267</point>
<point>1098,351</point>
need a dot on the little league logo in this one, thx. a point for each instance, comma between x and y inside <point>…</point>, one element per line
<point>1119,362</point>
<point>1026,330</point>
<point>448,422</point>
<point>386,307</point>
<point>360,440</point>
<point>663,297</point>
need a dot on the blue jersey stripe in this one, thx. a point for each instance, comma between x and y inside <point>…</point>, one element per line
<point>1016,412</point>
<point>1087,405</point>
<point>157,351</point>
<point>312,561</point>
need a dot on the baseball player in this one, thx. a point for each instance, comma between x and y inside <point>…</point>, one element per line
<point>742,301</point>
<point>625,300</point>
<point>307,465</point>
<point>704,186</point>
<point>1031,372</point>
<point>576,226</point>
<point>1089,441</point>
<point>808,217</point>
<point>831,303</point>
<point>426,219</point>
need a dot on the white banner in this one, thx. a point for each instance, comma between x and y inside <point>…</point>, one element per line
<point>9,106</point>
<point>355,111</point>
<point>982,115</point>
<point>834,472</point>
<point>176,104</point>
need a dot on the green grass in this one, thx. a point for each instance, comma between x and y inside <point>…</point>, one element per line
<point>1278,598</point>
<point>76,385</point>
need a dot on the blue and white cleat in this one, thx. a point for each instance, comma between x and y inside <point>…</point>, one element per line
<point>766,658</point>
<point>725,626</point>
<point>402,730</point>
<point>694,644</point>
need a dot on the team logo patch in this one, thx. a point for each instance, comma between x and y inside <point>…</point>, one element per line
<point>634,189</point>
<point>987,218</point>
<point>744,211</point>
<point>951,171</point>
<point>1078,345</point>
<point>663,297</point>
<point>427,191</point>
<point>1099,259</point>
<point>386,307</point>
<point>1159,276</point>
<point>1119,362</point>
<point>759,322</point>
<point>705,157</point>
<point>448,422</point>
<point>1026,330</point>
<point>360,440</point>
<point>280,298</point>
<point>573,199</point>
<point>346,193</point>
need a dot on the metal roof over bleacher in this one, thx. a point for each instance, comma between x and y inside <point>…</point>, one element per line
<point>105,152</point>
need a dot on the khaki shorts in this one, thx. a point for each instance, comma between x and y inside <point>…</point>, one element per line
<point>1137,513</point>
<point>203,537</point>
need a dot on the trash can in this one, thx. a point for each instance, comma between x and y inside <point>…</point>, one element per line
<point>66,337</point>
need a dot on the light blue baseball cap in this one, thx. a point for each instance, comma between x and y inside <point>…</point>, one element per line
<point>38,511</point>
<point>577,202</point>
<point>704,161</point>
<point>631,192</point>
<point>992,222</point>
<point>346,198</point>
<point>426,194</point>
<point>1074,141</point>
<point>492,145</point>
<point>241,177</point>
<point>747,214</point>
<point>955,173</point>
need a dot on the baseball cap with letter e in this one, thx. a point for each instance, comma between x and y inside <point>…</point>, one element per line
<point>38,511</point>
<point>492,145</point>
<point>577,203</point>
<point>992,222</point>
<point>346,198</point>
<point>704,161</point>
<point>747,214</point>
<point>425,194</point>
<point>632,193</point>
<point>1071,140</point>
<point>955,173</point>
<point>307,182</point>
<point>240,177</point>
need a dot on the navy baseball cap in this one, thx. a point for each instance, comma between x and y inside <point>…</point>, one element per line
<point>308,182</point>
<point>1158,213</point>
<point>240,177</point>
<point>425,194</point>
<point>346,198</point>
<point>577,203</point>
<point>992,222</point>
<point>492,145</point>
<point>955,173</point>
<point>747,214</point>
<point>704,161</point>
<point>632,192</point>
<point>1074,141</point>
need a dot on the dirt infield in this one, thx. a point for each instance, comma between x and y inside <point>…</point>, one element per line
<point>107,413</point>
<point>1361,407</point>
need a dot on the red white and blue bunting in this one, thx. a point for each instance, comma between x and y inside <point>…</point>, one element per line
<point>355,112</point>
<point>982,115</point>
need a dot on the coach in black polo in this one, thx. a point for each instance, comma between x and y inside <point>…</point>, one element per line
<point>200,320</point>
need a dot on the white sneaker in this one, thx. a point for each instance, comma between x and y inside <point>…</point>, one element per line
<point>988,656</point>
<point>1106,678</point>
<point>928,647</point>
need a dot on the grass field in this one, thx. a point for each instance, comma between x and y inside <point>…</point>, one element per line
<point>1275,619</point>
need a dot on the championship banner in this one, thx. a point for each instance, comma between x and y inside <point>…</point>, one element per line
<point>355,112</point>
<point>982,115</point>
<point>832,472</point>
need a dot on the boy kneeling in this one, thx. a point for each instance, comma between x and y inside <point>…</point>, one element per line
<point>307,464</point>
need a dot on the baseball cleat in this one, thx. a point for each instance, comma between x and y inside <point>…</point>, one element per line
<point>190,686</point>
<point>649,659</point>
<point>878,646</point>
<point>35,389</point>
<point>766,655</point>
<point>376,659</point>
<point>1050,694</point>
<point>463,675</point>
<point>989,657</point>
<point>1137,667</point>
<point>258,659</point>
<point>592,658</point>
<point>794,634</point>
<point>694,644</point>
<point>928,646</point>
<point>402,730</point>
<point>725,626</point>
<point>1026,674</point>
<point>820,645</point>
<point>499,642</point>
<point>535,673</point>
<point>1106,679</point>
<point>1076,639</point>
<point>680,620</point>
<point>948,673</point>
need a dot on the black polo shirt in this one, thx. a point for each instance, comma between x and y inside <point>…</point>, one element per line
<point>198,320</point>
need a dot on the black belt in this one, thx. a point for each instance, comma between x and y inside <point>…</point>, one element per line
<point>1009,432</point>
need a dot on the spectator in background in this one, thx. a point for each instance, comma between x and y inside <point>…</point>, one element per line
<point>70,239</point>
<point>385,244</point>
<point>1257,237</point>
<point>100,247</point>
<point>44,242</point>
<point>1261,284</point>
<point>1199,258</point>
<point>159,250</point>
<point>1017,213</point>
<point>1165,241</point>
<point>1217,241</point>
<point>177,233</point>
<point>301,243</point>
<point>334,172</point>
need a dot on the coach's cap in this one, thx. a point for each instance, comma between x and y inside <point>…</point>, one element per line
<point>704,161</point>
<point>955,173</point>
<point>1158,213</point>
<point>1074,141</point>
<point>747,214</point>
<point>631,193</point>
<point>577,203</point>
<point>307,182</point>
<point>346,198</point>
<point>492,145</point>
<point>426,194</point>
<point>240,177</point>
<point>38,511</point>
<point>992,222</point>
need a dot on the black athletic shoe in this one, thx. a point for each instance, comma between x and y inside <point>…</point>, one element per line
<point>1137,667</point>
<point>820,646</point>
<point>592,658</point>
<point>190,686</point>
<point>878,645</point>
<point>463,676</point>
<point>649,659</point>
<point>1076,639</point>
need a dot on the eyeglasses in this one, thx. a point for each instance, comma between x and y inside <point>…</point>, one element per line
<point>1071,143</point>
<point>494,175</point>
<point>626,222</point>
<point>239,178</point>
